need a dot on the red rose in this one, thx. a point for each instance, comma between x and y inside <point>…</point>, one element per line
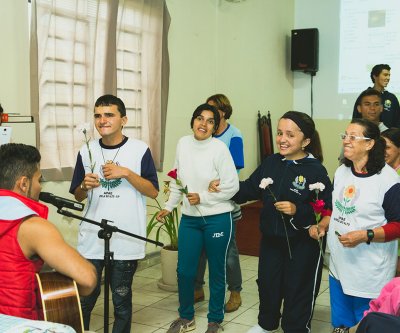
<point>173,174</point>
<point>318,206</point>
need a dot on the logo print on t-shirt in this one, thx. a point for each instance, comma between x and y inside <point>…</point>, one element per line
<point>299,182</point>
<point>387,104</point>
<point>112,183</point>
<point>347,196</point>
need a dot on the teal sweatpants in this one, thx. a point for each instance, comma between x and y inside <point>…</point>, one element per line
<point>214,236</point>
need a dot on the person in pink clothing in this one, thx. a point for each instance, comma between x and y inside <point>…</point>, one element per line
<point>388,300</point>
<point>384,311</point>
<point>383,314</point>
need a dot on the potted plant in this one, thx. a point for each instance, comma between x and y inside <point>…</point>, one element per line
<point>169,253</point>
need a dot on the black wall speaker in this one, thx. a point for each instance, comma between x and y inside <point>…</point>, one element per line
<point>304,50</point>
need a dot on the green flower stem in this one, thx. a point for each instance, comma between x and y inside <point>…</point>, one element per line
<point>195,206</point>
<point>185,191</point>
<point>92,166</point>
<point>284,225</point>
<point>287,237</point>
<point>318,219</point>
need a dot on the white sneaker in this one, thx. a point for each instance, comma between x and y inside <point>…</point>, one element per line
<point>258,329</point>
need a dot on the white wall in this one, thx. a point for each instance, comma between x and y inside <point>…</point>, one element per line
<point>253,65</point>
<point>239,49</point>
<point>14,57</point>
<point>328,107</point>
<point>325,17</point>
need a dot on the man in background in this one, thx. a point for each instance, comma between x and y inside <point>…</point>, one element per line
<point>28,239</point>
<point>370,107</point>
<point>116,173</point>
<point>380,76</point>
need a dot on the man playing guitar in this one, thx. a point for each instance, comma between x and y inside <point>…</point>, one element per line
<point>28,239</point>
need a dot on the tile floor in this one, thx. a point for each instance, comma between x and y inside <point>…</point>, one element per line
<point>154,309</point>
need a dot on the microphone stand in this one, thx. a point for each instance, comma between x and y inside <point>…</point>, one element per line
<point>105,233</point>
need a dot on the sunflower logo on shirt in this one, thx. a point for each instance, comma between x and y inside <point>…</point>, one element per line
<point>345,201</point>
<point>299,182</point>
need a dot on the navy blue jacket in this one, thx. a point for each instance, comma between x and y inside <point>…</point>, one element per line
<point>291,180</point>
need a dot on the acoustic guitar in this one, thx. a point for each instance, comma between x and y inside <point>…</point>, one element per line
<point>60,300</point>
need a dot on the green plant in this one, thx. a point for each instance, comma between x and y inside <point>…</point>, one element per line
<point>169,225</point>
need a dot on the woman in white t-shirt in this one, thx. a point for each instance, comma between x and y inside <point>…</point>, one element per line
<point>364,224</point>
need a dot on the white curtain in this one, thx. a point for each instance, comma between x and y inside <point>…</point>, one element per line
<point>82,49</point>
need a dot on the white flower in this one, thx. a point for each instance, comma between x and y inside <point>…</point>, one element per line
<point>317,186</point>
<point>265,182</point>
<point>83,128</point>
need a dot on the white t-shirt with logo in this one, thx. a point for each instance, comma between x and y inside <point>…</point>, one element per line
<point>358,204</point>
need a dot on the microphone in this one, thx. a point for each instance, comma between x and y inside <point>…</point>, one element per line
<point>60,202</point>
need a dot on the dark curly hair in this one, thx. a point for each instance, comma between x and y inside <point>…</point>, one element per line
<point>377,69</point>
<point>376,156</point>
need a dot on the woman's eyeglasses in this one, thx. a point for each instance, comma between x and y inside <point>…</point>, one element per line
<point>353,137</point>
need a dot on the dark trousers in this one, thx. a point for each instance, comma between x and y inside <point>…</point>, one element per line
<point>295,281</point>
<point>122,272</point>
<point>377,322</point>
